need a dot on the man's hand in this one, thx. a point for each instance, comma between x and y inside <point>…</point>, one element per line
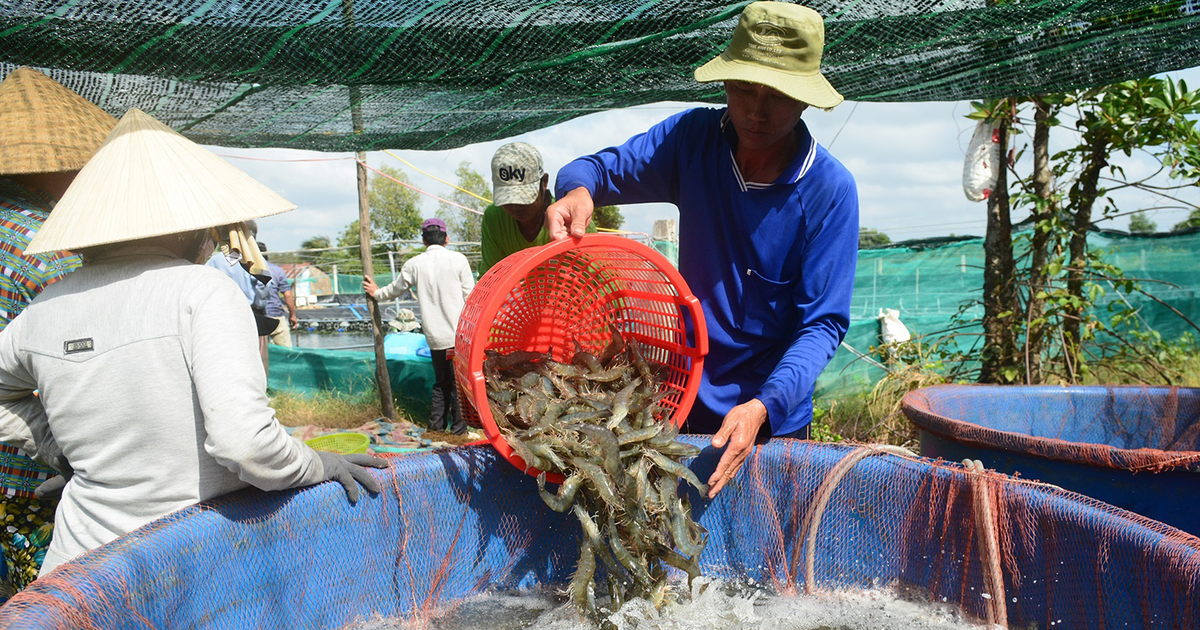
<point>369,286</point>
<point>737,434</point>
<point>569,216</point>
<point>294,321</point>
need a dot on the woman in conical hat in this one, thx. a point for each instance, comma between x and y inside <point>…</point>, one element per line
<point>47,133</point>
<point>147,366</point>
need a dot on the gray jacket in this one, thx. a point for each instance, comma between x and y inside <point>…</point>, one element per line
<point>148,370</point>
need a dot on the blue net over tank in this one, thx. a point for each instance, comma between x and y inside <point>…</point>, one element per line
<point>1134,428</point>
<point>1135,447</point>
<point>455,523</point>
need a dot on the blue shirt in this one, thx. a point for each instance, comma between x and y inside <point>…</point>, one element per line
<point>772,264</point>
<point>278,285</point>
<point>236,272</point>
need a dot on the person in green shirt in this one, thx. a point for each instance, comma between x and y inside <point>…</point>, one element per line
<point>520,194</point>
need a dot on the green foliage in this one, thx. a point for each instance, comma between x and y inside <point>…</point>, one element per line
<point>466,226</point>
<point>1192,221</point>
<point>870,239</point>
<point>395,208</point>
<point>316,242</point>
<point>609,217</point>
<point>1061,336</point>
<point>822,430</point>
<point>1139,223</point>
<point>347,259</point>
<point>395,215</point>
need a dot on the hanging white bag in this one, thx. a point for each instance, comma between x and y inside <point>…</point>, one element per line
<point>982,164</point>
<point>891,329</point>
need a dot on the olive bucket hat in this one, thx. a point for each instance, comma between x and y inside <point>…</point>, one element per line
<point>45,127</point>
<point>778,45</point>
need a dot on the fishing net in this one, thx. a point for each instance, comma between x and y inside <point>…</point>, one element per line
<point>440,74</point>
<point>454,523</point>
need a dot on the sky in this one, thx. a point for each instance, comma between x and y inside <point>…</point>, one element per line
<point>907,159</point>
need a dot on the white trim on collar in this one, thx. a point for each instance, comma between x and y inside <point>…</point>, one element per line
<point>809,158</point>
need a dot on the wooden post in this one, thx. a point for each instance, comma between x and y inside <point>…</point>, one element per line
<point>382,380</point>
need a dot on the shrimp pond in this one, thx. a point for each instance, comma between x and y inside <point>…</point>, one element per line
<point>714,605</point>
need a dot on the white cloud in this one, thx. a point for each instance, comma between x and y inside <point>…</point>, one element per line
<point>906,158</point>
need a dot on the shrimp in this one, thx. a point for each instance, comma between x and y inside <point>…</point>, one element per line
<point>566,492</point>
<point>580,587</point>
<point>679,470</point>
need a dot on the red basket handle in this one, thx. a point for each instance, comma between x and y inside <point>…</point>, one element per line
<point>700,327</point>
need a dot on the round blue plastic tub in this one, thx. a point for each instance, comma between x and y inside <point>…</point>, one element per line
<point>1132,447</point>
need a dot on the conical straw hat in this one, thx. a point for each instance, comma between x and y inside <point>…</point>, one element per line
<point>46,128</point>
<point>147,180</point>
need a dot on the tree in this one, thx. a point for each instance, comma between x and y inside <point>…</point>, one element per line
<point>1151,116</point>
<point>1192,221</point>
<point>395,208</point>
<point>1139,223</point>
<point>871,239</point>
<point>1039,288</point>
<point>315,242</point>
<point>464,225</point>
<point>609,217</point>
<point>998,268</point>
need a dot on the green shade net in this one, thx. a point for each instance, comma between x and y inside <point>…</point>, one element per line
<point>430,74</point>
<point>928,281</point>
<point>307,371</point>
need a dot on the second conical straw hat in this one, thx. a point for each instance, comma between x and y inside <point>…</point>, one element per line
<point>46,128</point>
<point>147,180</point>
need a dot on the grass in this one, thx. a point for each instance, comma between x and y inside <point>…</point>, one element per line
<point>326,409</point>
<point>876,417</point>
<point>332,410</point>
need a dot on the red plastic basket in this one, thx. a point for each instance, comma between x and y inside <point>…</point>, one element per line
<point>546,298</point>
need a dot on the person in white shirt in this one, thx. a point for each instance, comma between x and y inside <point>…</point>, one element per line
<point>151,395</point>
<point>442,280</point>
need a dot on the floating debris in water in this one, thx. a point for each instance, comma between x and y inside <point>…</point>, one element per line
<point>598,423</point>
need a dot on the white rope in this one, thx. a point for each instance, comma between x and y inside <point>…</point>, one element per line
<point>988,542</point>
<point>813,518</point>
<point>866,357</point>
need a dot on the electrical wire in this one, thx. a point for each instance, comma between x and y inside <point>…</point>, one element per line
<point>428,194</point>
<point>435,178</point>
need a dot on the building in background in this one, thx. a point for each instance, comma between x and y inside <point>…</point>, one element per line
<point>308,282</point>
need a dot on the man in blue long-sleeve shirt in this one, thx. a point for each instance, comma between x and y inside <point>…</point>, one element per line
<point>768,226</point>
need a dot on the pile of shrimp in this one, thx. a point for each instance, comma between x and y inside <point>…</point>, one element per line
<point>596,422</point>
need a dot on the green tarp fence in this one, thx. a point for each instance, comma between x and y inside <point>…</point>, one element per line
<point>307,371</point>
<point>927,282</point>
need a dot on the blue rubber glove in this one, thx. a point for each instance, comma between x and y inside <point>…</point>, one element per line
<point>346,469</point>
